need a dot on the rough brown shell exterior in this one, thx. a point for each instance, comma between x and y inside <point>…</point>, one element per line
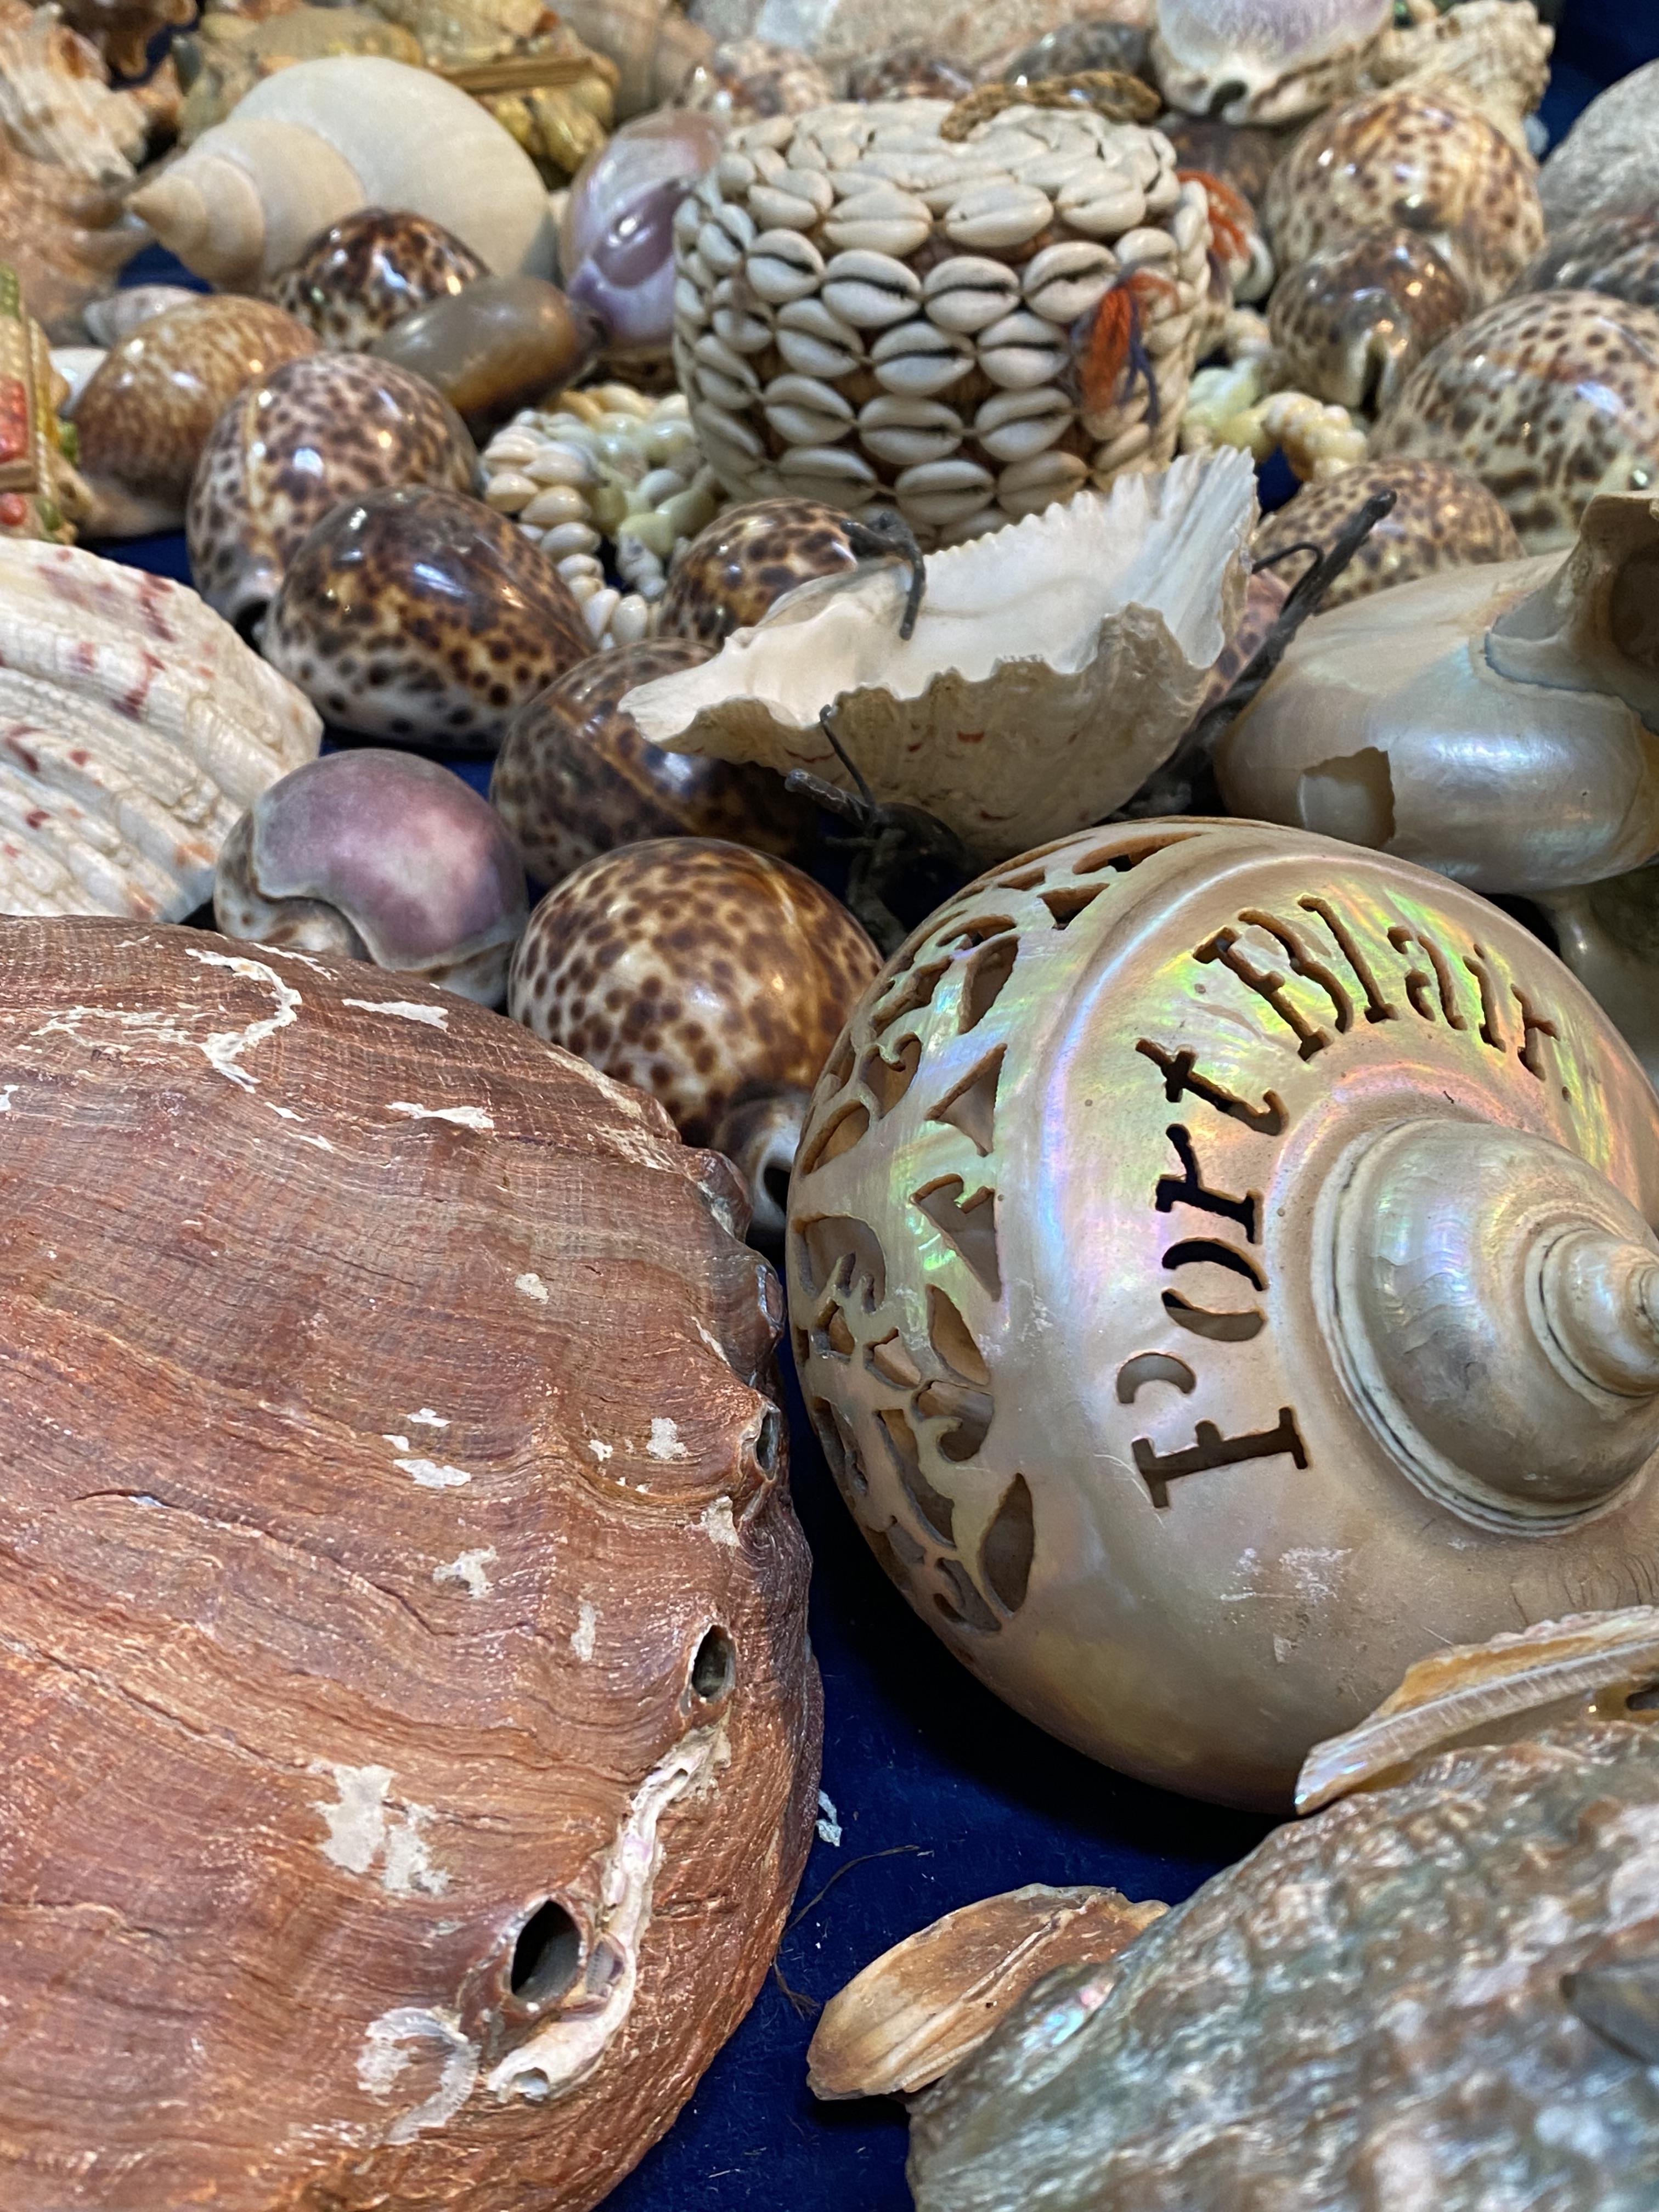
<point>748,79</point>
<point>1306,2031</point>
<point>575,778</point>
<point>923,2006</point>
<point>441,1622</point>
<point>367,271</point>
<point>146,415</point>
<point>423,616</point>
<point>746,559</point>
<point>291,446</point>
<point>1605,161</point>
<point>1354,319</point>
<point>1424,158</point>
<point>1442,517</point>
<point>700,971</point>
<point>1548,398</point>
<point>1618,254</point>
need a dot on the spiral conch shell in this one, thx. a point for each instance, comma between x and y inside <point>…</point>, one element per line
<point>138,728</point>
<point>1052,667</point>
<point>969,329</point>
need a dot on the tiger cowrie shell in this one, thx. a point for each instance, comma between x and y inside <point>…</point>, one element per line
<point>804,411</point>
<point>1030,486</point>
<point>883,219</point>
<point>942,491</point>
<point>782,266</point>
<point>1022,351</point>
<point>870,290</point>
<point>918,360</point>
<point>830,471</point>
<point>1101,207</point>
<point>998,215</point>
<point>1065,281</point>
<point>969,293</point>
<point>1014,426</point>
<point>908,432</point>
<point>720,253</point>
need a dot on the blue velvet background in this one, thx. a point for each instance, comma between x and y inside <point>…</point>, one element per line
<point>943,1795</point>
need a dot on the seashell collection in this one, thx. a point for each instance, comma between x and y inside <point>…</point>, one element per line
<point>942,720</point>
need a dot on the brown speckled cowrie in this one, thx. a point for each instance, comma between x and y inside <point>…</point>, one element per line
<point>294,444</point>
<point>710,975</point>
<point>1442,518</point>
<point>368,271</point>
<point>746,559</point>
<point>424,616</point>
<point>575,777</point>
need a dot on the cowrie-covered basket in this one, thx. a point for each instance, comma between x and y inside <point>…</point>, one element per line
<point>870,314</point>
<point>1219,1270</point>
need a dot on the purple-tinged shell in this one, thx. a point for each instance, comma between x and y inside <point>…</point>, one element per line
<point>616,237</point>
<point>377,856</point>
<point>575,778</point>
<point>367,272</point>
<point>290,448</point>
<point>1354,319</point>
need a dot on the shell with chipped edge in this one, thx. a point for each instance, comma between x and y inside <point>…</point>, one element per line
<point>1052,666</point>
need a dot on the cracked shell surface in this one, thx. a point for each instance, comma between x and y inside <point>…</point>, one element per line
<point>1421,158</point>
<point>291,446</point>
<point>145,416</point>
<point>1305,2030</point>
<point>1442,517</point>
<point>575,778</point>
<point>879,260</point>
<point>1354,319</point>
<point>705,973</point>
<point>443,1620</point>
<point>745,559</point>
<point>1549,399</point>
<point>368,271</point>
<point>423,616</point>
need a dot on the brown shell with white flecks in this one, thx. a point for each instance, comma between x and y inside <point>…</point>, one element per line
<point>575,778</point>
<point>1442,517</point>
<point>1422,157</point>
<point>411,1735</point>
<point>1549,399</point>
<point>701,972</point>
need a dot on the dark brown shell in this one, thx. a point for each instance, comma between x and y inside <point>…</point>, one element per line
<point>1618,254</point>
<point>575,777</point>
<point>145,414</point>
<point>368,271</point>
<point>354,1613</point>
<point>1419,156</point>
<point>1355,318</point>
<point>1442,517</point>
<point>291,446</point>
<point>422,615</point>
<point>1548,397</point>
<point>701,972</point>
<point>747,558</point>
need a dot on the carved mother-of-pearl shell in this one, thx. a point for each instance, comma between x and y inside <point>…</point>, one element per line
<point>782,266</point>
<point>998,215</point>
<point>805,411</point>
<point>870,290</point>
<point>908,432</point>
<point>1013,426</point>
<point>969,292</point>
<point>918,360</point>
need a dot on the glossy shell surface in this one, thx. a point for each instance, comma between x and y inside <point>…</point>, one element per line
<point>368,271</point>
<point>1421,158</point>
<point>1304,2033</point>
<point>1548,398</point>
<point>144,417</point>
<point>293,445</point>
<point>1442,517</point>
<point>575,778</point>
<point>747,558</point>
<point>699,970</point>
<point>1058,1227</point>
<point>354,1590</point>
<point>423,616</point>
<point>1615,253</point>
<point>494,345</point>
<point>1354,319</point>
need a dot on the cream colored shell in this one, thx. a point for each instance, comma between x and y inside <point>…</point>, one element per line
<point>136,729</point>
<point>868,313</point>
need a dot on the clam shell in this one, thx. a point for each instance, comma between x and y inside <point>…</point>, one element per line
<point>969,292</point>
<point>998,215</point>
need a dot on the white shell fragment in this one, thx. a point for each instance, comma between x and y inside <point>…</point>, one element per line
<point>136,730</point>
<point>878,249</point>
<point>1052,666</point>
